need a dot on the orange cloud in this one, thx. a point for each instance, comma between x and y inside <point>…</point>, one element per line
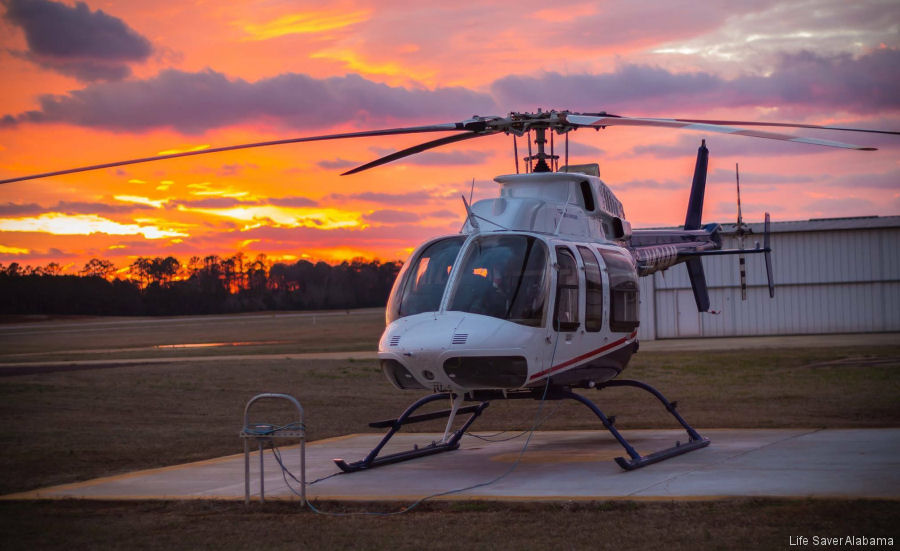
<point>13,250</point>
<point>82,224</point>
<point>311,22</point>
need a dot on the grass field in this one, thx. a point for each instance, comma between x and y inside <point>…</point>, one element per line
<point>66,426</point>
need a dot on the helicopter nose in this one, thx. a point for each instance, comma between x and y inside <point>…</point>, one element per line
<point>455,350</point>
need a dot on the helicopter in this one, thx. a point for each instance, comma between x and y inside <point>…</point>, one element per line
<point>537,295</point>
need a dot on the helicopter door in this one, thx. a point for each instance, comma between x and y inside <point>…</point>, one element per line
<point>568,343</point>
<point>566,317</point>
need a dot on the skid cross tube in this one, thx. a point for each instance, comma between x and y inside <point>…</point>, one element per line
<point>372,460</point>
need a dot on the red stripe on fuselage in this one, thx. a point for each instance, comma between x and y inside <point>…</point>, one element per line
<point>583,357</point>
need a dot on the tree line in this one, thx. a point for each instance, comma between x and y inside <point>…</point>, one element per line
<point>204,285</point>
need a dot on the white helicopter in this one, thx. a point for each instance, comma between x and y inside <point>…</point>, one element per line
<point>538,293</point>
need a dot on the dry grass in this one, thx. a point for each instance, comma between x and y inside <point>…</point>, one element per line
<point>68,426</point>
<point>114,338</point>
<point>733,524</point>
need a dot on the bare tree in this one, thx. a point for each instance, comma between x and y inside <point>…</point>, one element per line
<point>97,267</point>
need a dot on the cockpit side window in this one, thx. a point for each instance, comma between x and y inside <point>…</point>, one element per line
<point>503,276</point>
<point>426,278</point>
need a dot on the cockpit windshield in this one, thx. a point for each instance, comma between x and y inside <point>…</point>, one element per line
<point>503,276</point>
<point>426,279</point>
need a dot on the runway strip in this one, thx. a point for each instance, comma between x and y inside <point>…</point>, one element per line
<point>668,345</point>
<point>30,368</point>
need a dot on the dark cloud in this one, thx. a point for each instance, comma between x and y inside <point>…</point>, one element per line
<point>579,148</point>
<point>78,207</point>
<point>802,83</point>
<point>196,102</point>
<point>627,25</point>
<point>292,202</point>
<point>450,158</point>
<point>439,158</point>
<point>337,164</point>
<point>391,216</point>
<point>805,80</point>
<point>445,214</point>
<point>234,169</point>
<point>374,237</point>
<point>13,209</point>
<point>73,40</point>
<point>211,203</point>
<point>69,207</point>
<point>726,211</point>
<point>840,207</point>
<point>413,197</point>
<point>649,184</point>
<point>887,180</point>
<point>752,178</point>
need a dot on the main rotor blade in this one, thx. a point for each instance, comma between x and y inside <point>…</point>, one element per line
<point>417,149</point>
<point>591,120</point>
<point>448,127</point>
<point>788,125</point>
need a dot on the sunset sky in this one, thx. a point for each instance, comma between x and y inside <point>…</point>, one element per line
<point>87,83</point>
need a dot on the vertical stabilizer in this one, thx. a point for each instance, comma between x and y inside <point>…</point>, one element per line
<point>698,283</point>
<point>698,188</point>
<point>692,222</point>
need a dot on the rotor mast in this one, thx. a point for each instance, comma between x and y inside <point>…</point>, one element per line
<point>540,122</point>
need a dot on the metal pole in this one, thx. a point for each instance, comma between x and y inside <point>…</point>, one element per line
<point>262,479</point>
<point>246,471</point>
<point>303,469</point>
<point>516,151</point>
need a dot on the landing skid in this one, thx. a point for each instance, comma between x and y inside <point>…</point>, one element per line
<point>448,443</point>
<point>695,441</point>
<point>451,441</point>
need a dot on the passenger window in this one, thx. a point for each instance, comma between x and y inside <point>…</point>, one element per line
<point>623,291</point>
<point>593,303</point>
<point>566,318</point>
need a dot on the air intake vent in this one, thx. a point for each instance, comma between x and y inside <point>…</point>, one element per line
<point>460,338</point>
<point>395,340</point>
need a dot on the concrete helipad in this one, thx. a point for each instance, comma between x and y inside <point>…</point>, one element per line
<point>561,465</point>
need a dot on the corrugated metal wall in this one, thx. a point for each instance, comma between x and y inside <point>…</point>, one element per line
<point>829,281</point>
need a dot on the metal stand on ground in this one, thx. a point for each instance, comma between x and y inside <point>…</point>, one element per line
<point>267,432</point>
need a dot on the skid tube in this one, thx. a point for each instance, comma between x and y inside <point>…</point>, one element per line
<point>446,444</point>
<point>694,442</point>
<point>635,460</point>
